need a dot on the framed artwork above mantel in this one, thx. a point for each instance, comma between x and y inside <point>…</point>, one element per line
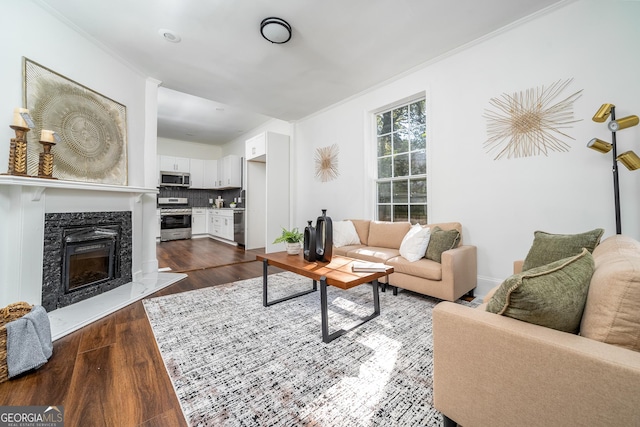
<point>92,128</point>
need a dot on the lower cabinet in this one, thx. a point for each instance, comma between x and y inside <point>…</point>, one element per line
<point>220,223</point>
<point>198,221</point>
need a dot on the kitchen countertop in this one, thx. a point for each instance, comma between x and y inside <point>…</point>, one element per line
<point>227,209</point>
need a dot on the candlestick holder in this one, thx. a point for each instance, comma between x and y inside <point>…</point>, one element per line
<point>45,162</point>
<point>18,152</point>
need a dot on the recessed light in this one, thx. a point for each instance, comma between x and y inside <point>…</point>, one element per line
<point>169,35</point>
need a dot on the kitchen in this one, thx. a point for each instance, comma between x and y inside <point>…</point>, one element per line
<point>201,198</point>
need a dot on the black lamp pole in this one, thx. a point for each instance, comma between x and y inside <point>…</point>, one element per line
<point>616,185</point>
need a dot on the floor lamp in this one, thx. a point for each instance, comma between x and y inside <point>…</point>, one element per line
<point>629,159</point>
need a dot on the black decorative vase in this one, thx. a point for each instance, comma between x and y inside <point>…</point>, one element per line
<point>309,247</point>
<point>324,237</point>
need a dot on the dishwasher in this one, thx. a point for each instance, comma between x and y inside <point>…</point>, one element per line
<point>238,227</point>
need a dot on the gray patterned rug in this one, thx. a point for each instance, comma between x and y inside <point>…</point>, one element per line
<point>234,362</point>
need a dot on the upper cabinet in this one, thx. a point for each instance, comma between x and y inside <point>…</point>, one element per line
<point>174,164</point>
<point>256,148</point>
<point>210,174</point>
<point>230,172</point>
<point>221,174</point>
<point>197,173</point>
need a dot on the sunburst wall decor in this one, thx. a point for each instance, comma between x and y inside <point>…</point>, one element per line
<point>326,160</point>
<point>529,123</point>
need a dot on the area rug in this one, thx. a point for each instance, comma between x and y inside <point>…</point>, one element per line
<point>233,362</point>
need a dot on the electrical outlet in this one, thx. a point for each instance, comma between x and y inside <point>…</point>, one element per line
<point>210,201</point>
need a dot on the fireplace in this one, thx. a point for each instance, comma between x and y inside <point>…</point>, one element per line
<point>90,256</point>
<point>85,254</point>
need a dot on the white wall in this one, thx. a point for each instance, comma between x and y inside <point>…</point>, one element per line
<point>192,150</point>
<point>499,202</point>
<point>32,32</point>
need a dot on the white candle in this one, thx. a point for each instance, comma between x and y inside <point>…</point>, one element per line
<point>17,117</point>
<point>47,135</point>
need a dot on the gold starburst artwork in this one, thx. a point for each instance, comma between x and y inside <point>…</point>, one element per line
<point>326,159</point>
<point>529,123</point>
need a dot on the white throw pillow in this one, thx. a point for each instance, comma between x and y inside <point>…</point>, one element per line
<point>344,233</point>
<point>415,242</point>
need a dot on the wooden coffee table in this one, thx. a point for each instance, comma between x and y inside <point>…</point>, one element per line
<point>335,273</point>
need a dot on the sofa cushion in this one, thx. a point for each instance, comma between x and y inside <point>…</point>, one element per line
<point>362,228</point>
<point>424,268</point>
<point>373,254</point>
<point>612,312</point>
<point>344,250</point>
<point>549,247</point>
<point>448,226</point>
<point>551,295</point>
<point>440,241</point>
<point>386,234</point>
<point>344,233</point>
<point>414,244</point>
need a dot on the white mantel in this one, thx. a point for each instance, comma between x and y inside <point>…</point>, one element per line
<point>24,201</point>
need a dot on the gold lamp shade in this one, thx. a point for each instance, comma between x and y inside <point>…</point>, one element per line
<point>599,145</point>
<point>630,160</point>
<point>623,123</point>
<point>603,113</point>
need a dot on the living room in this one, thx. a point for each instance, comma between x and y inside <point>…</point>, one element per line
<point>499,202</point>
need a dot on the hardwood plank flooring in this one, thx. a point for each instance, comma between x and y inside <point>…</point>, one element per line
<point>195,254</point>
<point>110,372</point>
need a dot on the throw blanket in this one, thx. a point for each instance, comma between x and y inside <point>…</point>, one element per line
<point>29,343</point>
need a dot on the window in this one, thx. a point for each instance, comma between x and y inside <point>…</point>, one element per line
<point>402,164</point>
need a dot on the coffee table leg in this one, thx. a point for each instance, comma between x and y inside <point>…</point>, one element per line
<point>324,314</point>
<point>323,310</point>
<point>376,298</point>
<point>265,299</point>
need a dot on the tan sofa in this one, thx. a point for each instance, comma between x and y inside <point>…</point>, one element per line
<point>453,277</point>
<point>492,370</point>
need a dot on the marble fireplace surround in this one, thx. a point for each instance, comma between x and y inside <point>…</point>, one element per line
<point>24,201</point>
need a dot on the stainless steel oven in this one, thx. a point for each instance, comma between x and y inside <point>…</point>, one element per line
<point>175,222</point>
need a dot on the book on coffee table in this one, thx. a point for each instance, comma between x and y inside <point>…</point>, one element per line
<point>366,267</point>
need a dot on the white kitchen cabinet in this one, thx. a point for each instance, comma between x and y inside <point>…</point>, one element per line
<point>196,168</point>
<point>256,148</point>
<point>221,223</point>
<point>174,164</point>
<point>229,172</point>
<point>210,173</point>
<point>198,221</point>
<point>268,194</point>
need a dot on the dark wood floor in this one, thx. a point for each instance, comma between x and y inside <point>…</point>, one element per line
<point>110,372</point>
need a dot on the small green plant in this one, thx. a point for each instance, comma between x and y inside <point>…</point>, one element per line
<point>290,236</point>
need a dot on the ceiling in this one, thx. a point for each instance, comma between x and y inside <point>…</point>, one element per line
<point>223,79</point>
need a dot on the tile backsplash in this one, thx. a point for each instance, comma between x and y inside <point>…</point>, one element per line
<point>200,198</point>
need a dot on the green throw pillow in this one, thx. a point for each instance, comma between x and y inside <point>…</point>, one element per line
<point>549,247</point>
<point>440,241</point>
<point>552,295</point>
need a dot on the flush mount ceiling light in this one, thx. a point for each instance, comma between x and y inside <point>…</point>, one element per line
<point>170,36</point>
<point>275,30</point>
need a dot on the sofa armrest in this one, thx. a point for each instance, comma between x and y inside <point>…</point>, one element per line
<point>498,371</point>
<point>460,267</point>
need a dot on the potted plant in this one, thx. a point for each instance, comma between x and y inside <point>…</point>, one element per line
<point>292,239</point>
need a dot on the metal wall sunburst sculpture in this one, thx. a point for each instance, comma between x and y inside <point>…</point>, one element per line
<point>528,123</point>
<point>326,160</point>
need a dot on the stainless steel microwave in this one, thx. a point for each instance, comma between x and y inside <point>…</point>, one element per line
<point>175,179</point>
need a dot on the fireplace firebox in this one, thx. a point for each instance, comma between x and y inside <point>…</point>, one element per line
<point>90,257</point>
